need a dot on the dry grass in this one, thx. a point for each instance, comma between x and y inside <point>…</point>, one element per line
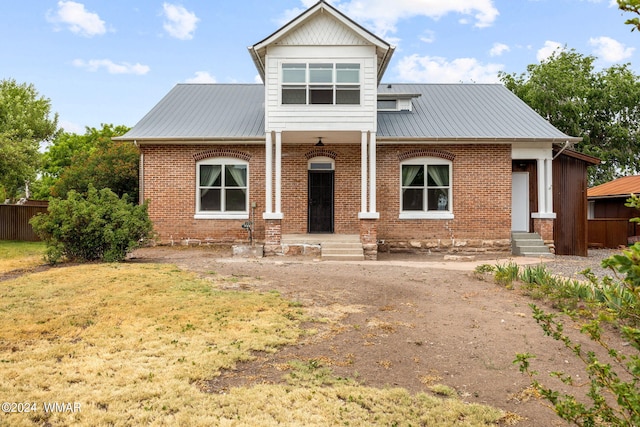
<point>20,255</point>
<point>131,344</point>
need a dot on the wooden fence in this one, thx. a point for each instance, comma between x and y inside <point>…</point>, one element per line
<point>611,232</point>
<point>14,222</point>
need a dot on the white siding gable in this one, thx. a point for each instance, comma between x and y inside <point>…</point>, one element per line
<point>323,30</point>
<point>321,39</point>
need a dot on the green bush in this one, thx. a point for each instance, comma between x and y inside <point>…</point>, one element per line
<point>612,388</point>
<point>98,226</point>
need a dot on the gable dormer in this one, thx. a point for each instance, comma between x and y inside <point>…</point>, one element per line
<point>321,68</point>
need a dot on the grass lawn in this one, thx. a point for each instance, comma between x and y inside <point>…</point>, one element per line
<point>20,255</point>
<point>130,344</point>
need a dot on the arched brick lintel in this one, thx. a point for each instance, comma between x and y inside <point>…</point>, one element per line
<point>426,153</point>
<point>221,153</point>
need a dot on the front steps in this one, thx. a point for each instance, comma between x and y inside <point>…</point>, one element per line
<point>333,247</point>
<point>529,245</point>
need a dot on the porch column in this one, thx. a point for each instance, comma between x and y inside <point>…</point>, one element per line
<point>372,174</point>
<point>363,173</point>
<point>278,173</point>
<point>268,175</point>
<point>544,218</point>
<point>548,163</point>
<point>542,176</point>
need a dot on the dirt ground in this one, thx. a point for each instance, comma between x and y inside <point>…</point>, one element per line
<point>401,321</point>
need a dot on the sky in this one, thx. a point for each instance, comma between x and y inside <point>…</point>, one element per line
<point>111,61</point>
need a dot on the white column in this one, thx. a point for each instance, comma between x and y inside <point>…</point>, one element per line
<point>268,174</point>
<point>278,172</point>
<point>372,173</point>
<point>363,173</point>
<point>542,194</point>
<point>548,163</point>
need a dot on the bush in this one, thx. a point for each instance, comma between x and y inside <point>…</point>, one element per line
<point>98,226</point>
<point>612,388</point>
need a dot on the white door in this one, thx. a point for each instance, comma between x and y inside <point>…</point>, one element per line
<point>520,201</point>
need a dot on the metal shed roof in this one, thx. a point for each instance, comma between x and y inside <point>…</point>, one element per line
<point>621,187</point>
<point>464,112</point>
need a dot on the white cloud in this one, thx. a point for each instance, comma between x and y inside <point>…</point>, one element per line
<point>78,19</point>
<point>550,47</point>
<point>201,77</point>
<point>111,67</point>
<point>610,50</point>
<point>434,69</point>
<point>428,36</point>
<point>498,49</point>
<point>383,17</point>
<point>71,127</point>
<point>180,23</point>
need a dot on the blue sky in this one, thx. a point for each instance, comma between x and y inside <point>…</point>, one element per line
<point>111,61</point>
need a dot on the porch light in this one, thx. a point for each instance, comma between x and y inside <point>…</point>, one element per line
<point>319,143</point>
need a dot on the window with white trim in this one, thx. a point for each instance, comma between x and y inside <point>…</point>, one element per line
<point>425,189</point>
<point>222,188</point>
<point>321,83</point>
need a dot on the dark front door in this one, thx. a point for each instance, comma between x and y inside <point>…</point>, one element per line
<point>320,202</point>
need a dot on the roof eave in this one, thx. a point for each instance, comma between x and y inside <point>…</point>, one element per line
<point>162,140</point>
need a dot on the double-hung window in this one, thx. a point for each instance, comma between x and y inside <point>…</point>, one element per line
<point>321,83</point>
<point>425,189</point>
<point>222,188</point>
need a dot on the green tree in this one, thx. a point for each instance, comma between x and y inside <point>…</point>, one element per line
<point>634,7</point>
<point>602,107</point>
<point>73,162</point>
<point>25,123</point>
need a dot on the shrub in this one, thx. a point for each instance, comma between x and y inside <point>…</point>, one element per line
<point>98,226</point>
<point>613,382</point>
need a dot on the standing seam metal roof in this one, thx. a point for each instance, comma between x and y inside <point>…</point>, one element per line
<point>443,111</point>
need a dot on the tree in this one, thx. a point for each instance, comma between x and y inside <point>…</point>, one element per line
<point>73,162</point>
<point>634,7</point>
<point>601,107</point>
<point>25,123</point>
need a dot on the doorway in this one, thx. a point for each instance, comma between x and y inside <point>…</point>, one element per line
<point>320,210</point>
<point>520,201</point>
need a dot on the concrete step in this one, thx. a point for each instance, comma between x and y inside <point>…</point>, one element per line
<point>529,244</point>
<point>342,257</point>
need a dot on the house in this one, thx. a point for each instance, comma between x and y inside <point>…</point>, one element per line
<point>609,224</point>
<point>323,147</point>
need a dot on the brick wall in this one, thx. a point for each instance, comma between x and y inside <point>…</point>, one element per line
<point>169,185</point>
<point>481,193</point>
<point>481,197</point>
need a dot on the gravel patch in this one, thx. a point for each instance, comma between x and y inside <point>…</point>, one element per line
<point>571,266</point>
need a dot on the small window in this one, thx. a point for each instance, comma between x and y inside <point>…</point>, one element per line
<point>425,189</point>
<point>388,104</point>
<point>222,189</point>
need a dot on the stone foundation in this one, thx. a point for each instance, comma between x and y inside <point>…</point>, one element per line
<point>446,246</point>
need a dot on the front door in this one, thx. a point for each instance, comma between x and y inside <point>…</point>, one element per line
<point>320,212</point>
<point>520,201</point>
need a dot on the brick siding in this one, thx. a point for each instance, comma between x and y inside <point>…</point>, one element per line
<point>481,192</point>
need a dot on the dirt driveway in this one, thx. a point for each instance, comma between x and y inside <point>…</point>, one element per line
<point>401,322</point>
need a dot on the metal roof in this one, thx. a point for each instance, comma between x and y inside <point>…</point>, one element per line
<point>621,187</point>
<point>204,111</point>
<point>464,112</point>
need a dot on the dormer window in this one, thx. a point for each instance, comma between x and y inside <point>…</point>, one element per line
<point>396,101</point>
<point>321,84</point>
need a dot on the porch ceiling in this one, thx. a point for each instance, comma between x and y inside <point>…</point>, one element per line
<point>328,137</point>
